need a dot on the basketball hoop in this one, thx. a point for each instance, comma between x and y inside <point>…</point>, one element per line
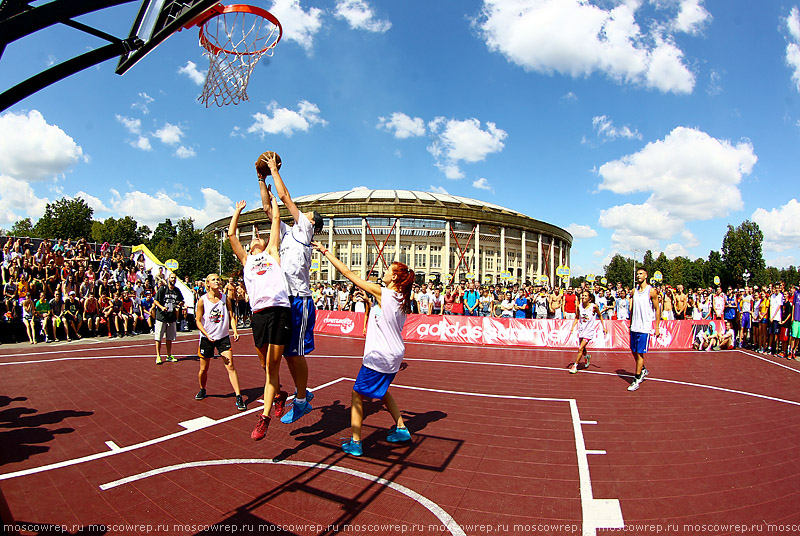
<point>235,38</point>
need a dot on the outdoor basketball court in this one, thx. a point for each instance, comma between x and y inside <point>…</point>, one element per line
<point>98,439</point>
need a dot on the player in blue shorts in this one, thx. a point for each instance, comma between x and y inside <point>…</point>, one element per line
<point>296,263</point>
<point>383,349</point>
<point>646,310</point>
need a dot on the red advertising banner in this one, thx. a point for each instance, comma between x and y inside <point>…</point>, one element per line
<point>673,334</point>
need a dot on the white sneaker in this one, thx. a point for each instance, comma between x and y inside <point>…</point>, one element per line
<point>573,368</point>
<point>635,385</point>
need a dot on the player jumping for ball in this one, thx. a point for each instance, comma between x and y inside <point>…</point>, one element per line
<point>295,254</point>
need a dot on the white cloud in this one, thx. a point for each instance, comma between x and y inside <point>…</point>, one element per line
<point>402,126</point>
<point>190,70</point>
<point>675,250</point>
<point>151,210</point>
<point>143,143</point>
<point>782,262</point>
<point>605,129</point>
<point>298,25</point>
<point>691,17</point>
<point>185,152</point>
<point>482,184</point>
<point>714,86</point>
<point>689,239</point>
<point>781,226</point>
<point>169,134</point>
<point>456,141</point>
<point>33,149</point>
<point>793,48</point>
<point>360,16</point>
<point>92,201</point>
<point>143,104</point>
<point>692,176</point>
<point>437,189</point>
<point>581,231</point>
<point>286,121</point>
<point>577,38</point>
<point>645,220</point>
<point>18,201</point>
<point>571,96</point>
<point>134,126</point>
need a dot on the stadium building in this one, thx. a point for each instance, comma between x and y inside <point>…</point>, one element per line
<point>439,236</point>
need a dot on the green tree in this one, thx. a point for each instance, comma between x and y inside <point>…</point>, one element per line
<point>66,218</point>
<point>620,270</point>
<point>714,267</point>
<point>661,264</point>
<point>647,262</point>
<point>695,274</point>
<point>741,250</point>
<point>23,228</point>
<point>164,231</point>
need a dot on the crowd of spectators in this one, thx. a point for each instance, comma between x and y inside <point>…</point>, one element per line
<point>60,289</point>
<point>765,320</point>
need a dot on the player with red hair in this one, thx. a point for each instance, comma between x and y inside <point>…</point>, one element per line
<point>383,349</point>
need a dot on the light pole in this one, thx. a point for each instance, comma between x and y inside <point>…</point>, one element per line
<point>634,267</point>
<point>746,276</point>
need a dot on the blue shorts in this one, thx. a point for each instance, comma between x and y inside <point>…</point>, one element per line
<point>304,315</point>
<point>371,383</point>
<point>745,320</point>
<point>774,327</point>
<point>639,342</point>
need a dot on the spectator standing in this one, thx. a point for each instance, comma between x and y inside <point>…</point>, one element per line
<point>167,300</point>
<point>471,300</point>
<point>570,304</point>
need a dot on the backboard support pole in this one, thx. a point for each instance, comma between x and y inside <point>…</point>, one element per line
<point>62,70</point>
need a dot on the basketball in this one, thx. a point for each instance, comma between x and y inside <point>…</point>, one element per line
<point>261,164</point>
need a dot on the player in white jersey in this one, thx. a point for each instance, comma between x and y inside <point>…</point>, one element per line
<point>383,349</point>
<point>269,301</point>
<point>587,320</point>
<point>645,310</point>
<point>215,321</point>
<point>295,252</point>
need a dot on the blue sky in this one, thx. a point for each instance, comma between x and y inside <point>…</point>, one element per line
<point>634,124</point>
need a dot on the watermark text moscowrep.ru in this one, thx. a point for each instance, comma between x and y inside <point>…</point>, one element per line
<point>410,528</point>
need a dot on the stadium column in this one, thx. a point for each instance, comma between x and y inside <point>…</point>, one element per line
<point>331,269</point>
<point>476,258</point>
<point>397,243</point>
<point>524,256</point>
<point>447,253</point>
<point>552,273</point>
<point>364,248</point>
<point>503,249</point>
<point>539,257</point>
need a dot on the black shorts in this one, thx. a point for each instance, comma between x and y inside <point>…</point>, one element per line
<point>207,347</point>
<point>272,325</point>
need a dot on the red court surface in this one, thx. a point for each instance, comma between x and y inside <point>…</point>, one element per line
<point>97,439</point>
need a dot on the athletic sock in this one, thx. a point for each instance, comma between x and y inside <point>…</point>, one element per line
<point>300,400</point>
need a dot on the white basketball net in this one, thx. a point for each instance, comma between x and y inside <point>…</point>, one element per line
<point>236,42</point>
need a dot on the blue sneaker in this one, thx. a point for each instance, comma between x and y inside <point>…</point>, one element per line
<point>296,411</point>
<point>309,395</point>
<point>398,435</point>
<point>353,448</point>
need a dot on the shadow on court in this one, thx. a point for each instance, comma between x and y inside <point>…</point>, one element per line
<point>23,431</point>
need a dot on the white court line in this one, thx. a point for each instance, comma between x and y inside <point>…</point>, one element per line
<point>112,445</point>
<point>595,452</point>
<point>588,422</point>
<point>484,363</point>
<point>748,354</point>
<point>97,456</point>
<point>445,518</point>
<point>597,513</point>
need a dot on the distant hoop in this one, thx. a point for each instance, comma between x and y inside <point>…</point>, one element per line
<point>235,38</point>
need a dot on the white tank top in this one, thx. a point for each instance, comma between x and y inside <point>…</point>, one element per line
<point>265,282</point>
<point>216,320</point>
<point>384,348</point>
<point>587,323</point>
<point>642,315</point>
